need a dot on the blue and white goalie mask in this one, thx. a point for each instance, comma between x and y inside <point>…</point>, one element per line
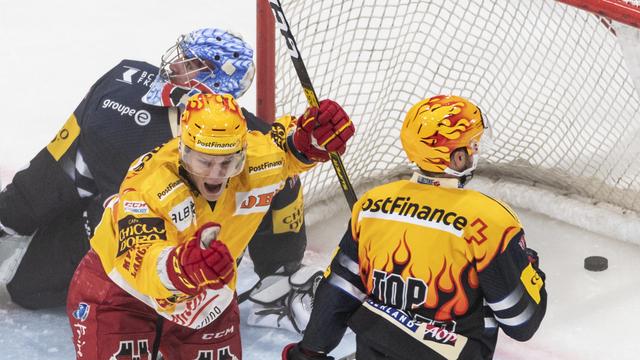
<point>203,61</point>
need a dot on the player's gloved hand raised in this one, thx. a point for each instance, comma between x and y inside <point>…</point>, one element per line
<point>295,352</point>
<point>200,263</point>
<point>323,130</point>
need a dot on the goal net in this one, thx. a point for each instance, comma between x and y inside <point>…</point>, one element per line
<point>551,79</point>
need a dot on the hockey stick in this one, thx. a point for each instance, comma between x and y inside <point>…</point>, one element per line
<point>310,93</point>
<point>244,296</point>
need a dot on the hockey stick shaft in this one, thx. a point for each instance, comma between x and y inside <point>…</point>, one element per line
<point>312,98</point>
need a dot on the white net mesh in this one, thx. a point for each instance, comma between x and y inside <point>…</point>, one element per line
<point>551,79</point>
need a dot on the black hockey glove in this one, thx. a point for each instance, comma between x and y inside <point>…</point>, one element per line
<point>295,352</point>
<point>532,255</point>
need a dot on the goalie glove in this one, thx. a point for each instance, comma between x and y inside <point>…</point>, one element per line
<point>285,302</point>
<point>323,130</point>
<point>201,263</point>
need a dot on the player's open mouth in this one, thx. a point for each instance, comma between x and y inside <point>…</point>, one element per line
<point>213,188</point>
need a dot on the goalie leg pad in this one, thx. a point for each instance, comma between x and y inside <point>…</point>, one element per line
<point>285,302</point>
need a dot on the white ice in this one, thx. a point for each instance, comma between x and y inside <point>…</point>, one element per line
<point>53,51</point>
<point>591,315</point>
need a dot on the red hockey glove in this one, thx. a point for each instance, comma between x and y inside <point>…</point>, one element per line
<point>295,352</point>
<point>322,130</point>
<point>202,262</point>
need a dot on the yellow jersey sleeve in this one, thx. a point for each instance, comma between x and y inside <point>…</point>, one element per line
<point>139,236</point>
<point>280,132</point>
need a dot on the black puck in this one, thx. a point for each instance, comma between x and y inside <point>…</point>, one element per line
<point>596,263</point>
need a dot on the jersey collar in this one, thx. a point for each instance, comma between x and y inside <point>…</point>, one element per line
<point>435,181</point>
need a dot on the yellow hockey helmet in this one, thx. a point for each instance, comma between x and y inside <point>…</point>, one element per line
<point>213,124</point>
<point>435,127</point>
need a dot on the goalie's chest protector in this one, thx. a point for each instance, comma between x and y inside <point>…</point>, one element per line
<point>434,239</point>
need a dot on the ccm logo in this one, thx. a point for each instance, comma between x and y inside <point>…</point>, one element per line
<point>218,335</point>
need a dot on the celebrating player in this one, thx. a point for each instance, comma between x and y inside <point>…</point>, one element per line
<point>129,111</point>
<point>167,244</point>
<point>428,269</point>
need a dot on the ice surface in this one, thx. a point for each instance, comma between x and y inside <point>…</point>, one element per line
<point>590,315</point>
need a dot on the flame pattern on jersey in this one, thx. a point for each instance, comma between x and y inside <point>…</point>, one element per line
<point>409,239</point>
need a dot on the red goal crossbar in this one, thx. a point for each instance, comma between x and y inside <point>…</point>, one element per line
<point>618,10</point>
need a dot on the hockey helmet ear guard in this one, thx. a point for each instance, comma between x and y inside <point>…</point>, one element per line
<point>435,127</point>
<point>203,61</point>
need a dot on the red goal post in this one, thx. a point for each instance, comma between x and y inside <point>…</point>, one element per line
<point>551,78</point>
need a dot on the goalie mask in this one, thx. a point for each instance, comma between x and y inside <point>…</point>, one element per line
<point>436,127</point>
<point>203,61</point>
<point>213,141</point>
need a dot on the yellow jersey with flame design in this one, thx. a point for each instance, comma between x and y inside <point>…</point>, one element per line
<point>429,262</point>
<point>434,242</point>
<point>157,209</point>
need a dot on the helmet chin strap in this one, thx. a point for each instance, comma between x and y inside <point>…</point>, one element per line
<point>448,177</point>
<point>466,172</point>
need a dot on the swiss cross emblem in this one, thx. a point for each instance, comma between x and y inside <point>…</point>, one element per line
<point>478,235</point>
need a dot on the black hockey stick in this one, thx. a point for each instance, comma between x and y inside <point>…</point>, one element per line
<point>312,98</point>
<point>244,296</point>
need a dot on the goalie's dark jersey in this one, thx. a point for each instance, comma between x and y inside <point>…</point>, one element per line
<point>60,195</point>
<point>429,272</point>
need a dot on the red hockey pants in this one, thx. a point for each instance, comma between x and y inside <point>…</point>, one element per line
<point>108,323</point>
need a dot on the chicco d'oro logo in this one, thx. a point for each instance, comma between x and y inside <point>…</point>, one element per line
<point>141,117</point>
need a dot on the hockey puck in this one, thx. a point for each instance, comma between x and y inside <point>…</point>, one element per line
<point>596,263</point>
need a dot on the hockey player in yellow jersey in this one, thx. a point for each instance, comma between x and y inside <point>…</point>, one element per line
<point>428,269</point>
<point>168,243</point>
